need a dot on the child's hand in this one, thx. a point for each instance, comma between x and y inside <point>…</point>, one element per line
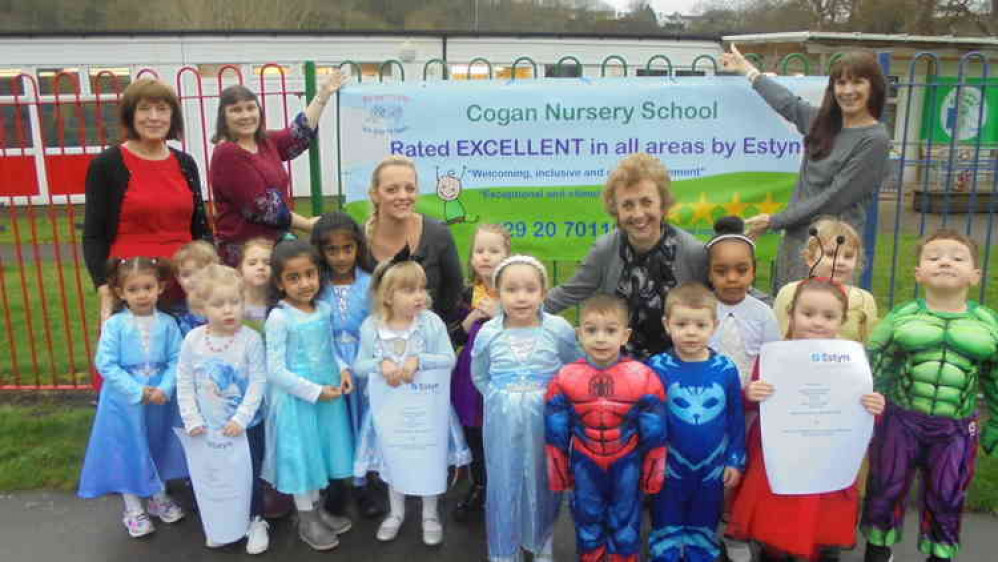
<point>757,391</point>
<point>731,477</point>
<point>232,429</point>
<point>195,431</point>
<point>389,369</point>
<point>329,393</point>
<point>346,381</point>
<point>874,403</point>
<point>488,307</point>
<point>409,368</point>
<point>157,396</point>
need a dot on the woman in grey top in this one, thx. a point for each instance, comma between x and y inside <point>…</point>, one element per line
<point>845,154</point>
<point>642,259</point>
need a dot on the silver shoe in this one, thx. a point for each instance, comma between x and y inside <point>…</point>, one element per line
<point>336,523</point>
<point>314,532</point>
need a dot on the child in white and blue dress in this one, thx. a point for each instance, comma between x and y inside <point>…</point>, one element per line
<point>346,271</point>
<point>516,355</point>
<point>309,442</point>
<point>221,380</point>
<point>405,344</point>
<point>132,449</point>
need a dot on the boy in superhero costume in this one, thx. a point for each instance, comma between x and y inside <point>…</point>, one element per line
<point>605,432</point>
<point>706,425</point>
<point>929,357</point>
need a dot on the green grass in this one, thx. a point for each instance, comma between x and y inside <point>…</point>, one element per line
<point>42,445</point>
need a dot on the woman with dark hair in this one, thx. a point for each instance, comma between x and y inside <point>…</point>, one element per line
<point>845,154</point>
<point>247,176</point>
<point>143,198</point>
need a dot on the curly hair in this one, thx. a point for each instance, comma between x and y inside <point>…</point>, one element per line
<point>633,170</point>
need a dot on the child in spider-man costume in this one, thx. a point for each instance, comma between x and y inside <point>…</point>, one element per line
<point>605,432</point>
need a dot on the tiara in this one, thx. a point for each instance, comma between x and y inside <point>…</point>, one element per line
<point>723,237</point>
<point>520,259</point>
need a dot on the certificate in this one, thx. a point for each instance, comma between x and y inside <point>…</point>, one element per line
<point>815,432</point>
<point>411,422</point>
<point>222,474</point>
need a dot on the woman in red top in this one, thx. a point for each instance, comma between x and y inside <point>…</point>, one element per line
<point>143,198</point>
<point>247,175</point>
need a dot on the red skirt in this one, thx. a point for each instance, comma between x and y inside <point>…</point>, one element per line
<point>795,525</point>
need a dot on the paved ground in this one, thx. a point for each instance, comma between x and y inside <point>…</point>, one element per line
<point>58,527</point>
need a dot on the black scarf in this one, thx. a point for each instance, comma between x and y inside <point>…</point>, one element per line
<point>644,281</point>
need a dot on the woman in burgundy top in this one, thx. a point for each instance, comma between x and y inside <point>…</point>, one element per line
<point>247,175</point>
<point>143,198</point>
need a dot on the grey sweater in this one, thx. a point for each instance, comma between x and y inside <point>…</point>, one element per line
<point>842,184</point>
<point>600,272</point>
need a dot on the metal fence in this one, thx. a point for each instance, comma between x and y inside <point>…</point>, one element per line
<point>943,166</point>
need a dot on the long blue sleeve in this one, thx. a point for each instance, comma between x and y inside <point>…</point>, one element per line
<point>368,358</point>
<point>438,353</point>
<point>735,456</point>
<point>557,418</point>
<point>172,339</point>
<point>481,354</point>
<point>277,353</point>
<point>108,359</point>
<point>569,350</point>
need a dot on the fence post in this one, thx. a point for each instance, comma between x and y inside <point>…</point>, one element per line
<point>314,157</point>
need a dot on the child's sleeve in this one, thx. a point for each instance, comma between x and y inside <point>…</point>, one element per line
<point>883,360</point>
<point>653,431</point>
<point>368,356</point>
<point>171,334</point>
<point>186,391</point>
<point>569,350</point>
<point>558,435</point>
<point>771,328</point>
<point>989,383</point>
<point>439,354</point>
<point>277,371</point>
<point>108,361</point>
<point>735,456</point>
<point>257,375</point>
<point>481,359</point>
<point>870,313</point>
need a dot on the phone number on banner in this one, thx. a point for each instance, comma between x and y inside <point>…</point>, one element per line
<point>555,229</point>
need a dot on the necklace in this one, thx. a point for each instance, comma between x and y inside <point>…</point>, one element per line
<point>220,349</point>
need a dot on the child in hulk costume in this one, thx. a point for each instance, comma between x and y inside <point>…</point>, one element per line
<point>929,357</point>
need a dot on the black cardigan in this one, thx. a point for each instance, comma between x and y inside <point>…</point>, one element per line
<point>107,181</point>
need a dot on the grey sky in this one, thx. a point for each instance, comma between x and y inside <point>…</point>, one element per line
<point>667,6</point>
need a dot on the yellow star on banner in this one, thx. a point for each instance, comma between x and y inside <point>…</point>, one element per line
<point>703,209</point>
<point>735,207</point>
<point>674,212</point>
<point>769,206</point>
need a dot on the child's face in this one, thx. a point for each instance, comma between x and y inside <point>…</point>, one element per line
<point>339,249</point>
<point>299,280</point>
<point>521,294</point>
<point>489,250</point>
<point>255,267</point>
<point>140,291</point>
<point>186,270</point>
<point>817,315</point>
<point>691,329</point>
<point>947,265</point>
<point>224,310</point>
<point>732,270</point>
<point>602,335</point>
<point>845,262</point>
<point>407,302</point>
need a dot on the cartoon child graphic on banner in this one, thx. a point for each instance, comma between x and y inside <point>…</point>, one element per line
<point>449,190</point>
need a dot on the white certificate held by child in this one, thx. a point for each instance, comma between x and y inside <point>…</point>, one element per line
<point>815,431</point>
<point>412,426</point>
<point>221,473</point>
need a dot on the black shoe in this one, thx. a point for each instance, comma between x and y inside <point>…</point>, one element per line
<point>335,500</point>
<point>472,504</point>
<point>876,553</point>
<point>368,503</point>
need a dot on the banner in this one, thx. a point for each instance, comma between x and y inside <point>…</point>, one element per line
<point>814,430</point>
<point>534,154</point>
<point>222,475</point>
<point>411,422</point>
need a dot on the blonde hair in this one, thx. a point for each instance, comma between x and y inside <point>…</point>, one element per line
<point>633,170</point>
<point>691,295</point>
<point>507,244</point>
<point>828,229</point>
<point>391,277</point>
<point>256,242</point>
<point>212,277</point>
<point>393,160</point>
<point>203,253</point>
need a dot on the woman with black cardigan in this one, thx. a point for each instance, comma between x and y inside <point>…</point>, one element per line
<point>143,198</point>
